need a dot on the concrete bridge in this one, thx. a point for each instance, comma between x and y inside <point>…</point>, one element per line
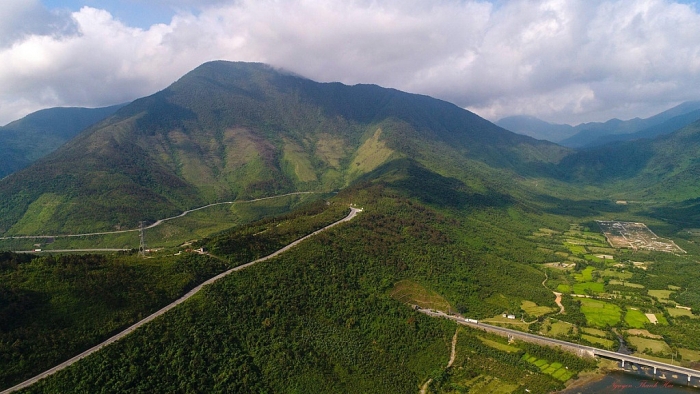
<point>693,376</point>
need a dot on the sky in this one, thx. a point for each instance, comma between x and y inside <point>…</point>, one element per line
<point>564,61</point>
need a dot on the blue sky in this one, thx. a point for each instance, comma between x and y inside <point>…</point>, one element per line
<point>136,13</point>
<point>565,61</point>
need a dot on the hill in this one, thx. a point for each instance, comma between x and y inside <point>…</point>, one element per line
<point>236,130</point>
<point>40,133</point>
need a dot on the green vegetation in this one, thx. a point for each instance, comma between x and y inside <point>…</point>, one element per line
<point>533,309</point>
<point>459,216</point>
<point>635,319</point>
<point>412,293</point>
<point>588,288</point>
<point>40,133</point>
<point>485,363</point>
<point>54,307</point>
<point>600,313</point>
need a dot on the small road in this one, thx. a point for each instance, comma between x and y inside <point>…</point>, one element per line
<point>157,223</point>
<point>129,330</point>
<point>453,355</point>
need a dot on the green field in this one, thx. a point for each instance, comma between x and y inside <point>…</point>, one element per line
<point>555,369</point>
<point>594,331</point>
<point>600,313</point>
<point>628,284</point>
<point>556,328</point>
<point>661,295</point>
<point>586,287</point>
<point>498,345</point>
<point>606,343</point>
<point>635,318</point>
<point>576,249</point>
<point>586,275</point>
<point>563,288</point>
<point>616,274</point>
<point>533,309</point>
<point>650,345</point>
<point>678,312</point>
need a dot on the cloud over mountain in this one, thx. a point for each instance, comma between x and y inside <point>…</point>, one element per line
<point>564,61</point>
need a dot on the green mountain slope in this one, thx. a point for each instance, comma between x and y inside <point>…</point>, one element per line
<point>237,130</point>
<point>324,317</point>
<point>40,133</point>
<point>665,168</point>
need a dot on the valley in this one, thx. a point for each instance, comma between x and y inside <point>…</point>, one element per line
<point>235,161</point>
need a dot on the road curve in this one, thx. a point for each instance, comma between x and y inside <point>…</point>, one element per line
<point>129,330</point>
<point>157,223</point>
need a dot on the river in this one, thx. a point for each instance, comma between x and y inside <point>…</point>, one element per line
<point>639,381</point>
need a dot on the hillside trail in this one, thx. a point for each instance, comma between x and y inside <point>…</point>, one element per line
<point>557,295</point>
<point>453,355</point>
<point>160,312</point>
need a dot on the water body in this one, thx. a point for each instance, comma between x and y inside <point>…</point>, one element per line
<point>639,381</point>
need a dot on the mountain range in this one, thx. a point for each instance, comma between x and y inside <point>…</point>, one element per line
<point>592,134</point>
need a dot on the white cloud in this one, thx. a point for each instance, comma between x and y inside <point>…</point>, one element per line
<point>563,60</point>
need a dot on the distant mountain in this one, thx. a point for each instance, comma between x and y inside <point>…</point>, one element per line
<point>591,134</point>
<point>238,130</point>
<point>594,134</point>
<point>667,127</point>
<point>40,133</point>
<point>666,168</point>
<point>537,128</point>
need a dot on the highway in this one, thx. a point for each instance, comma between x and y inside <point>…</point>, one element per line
<point>581,350</point>
<point>129,330</point>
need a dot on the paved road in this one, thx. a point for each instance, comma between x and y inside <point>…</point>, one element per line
<point>581,348</point>
<point>157,223</point>
<point>27,383</point>
<point>72,250</point>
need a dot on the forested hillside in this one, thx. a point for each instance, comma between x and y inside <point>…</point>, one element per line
<point>238,130</point>
<point>323,317</point>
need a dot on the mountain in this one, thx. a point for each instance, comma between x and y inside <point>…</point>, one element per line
<point>594,134</point>
<point>537,128</point>
<point>40,133</point>
<point>238,130</point>
<point>591,134</point>
<point>665,168</point>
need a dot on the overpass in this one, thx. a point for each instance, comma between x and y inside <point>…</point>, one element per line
<point>580,350</point>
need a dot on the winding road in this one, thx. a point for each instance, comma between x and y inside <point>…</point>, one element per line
<point>129,330</point>
<point>157,223</point>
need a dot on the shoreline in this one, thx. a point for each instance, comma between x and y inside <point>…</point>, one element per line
<point>587,377</point>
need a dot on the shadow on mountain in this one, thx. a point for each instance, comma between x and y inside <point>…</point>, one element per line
<point>411,179</point>
<point>610,162</point>
<point>684,214</point>
<point>578,208</point>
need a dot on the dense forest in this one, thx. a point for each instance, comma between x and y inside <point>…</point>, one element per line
<point>320,317</point>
